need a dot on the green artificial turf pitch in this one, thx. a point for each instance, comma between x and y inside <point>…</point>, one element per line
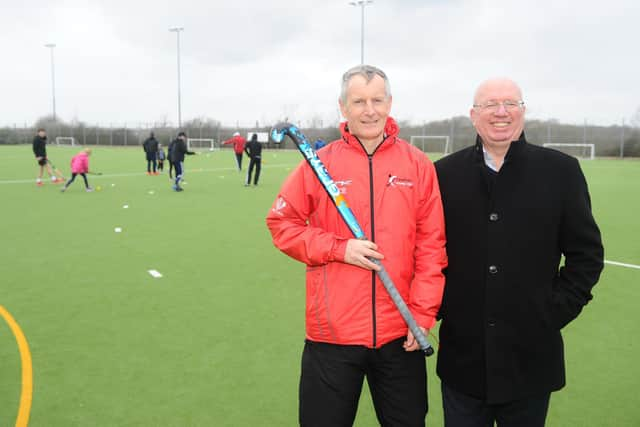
<point>217,340</point>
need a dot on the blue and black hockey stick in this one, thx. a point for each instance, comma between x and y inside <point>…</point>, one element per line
<point>277,134</point>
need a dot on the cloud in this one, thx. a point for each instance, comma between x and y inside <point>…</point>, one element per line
<point>256,60</point>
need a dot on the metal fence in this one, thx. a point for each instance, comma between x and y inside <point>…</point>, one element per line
<point>609,141</point>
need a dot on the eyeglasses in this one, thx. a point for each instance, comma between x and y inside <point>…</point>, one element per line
<point>493,106</point>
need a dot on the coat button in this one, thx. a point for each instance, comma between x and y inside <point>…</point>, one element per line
<point>493,217</point>
<point>493,269</point>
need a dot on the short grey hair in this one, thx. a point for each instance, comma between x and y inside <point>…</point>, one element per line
<point>366,71</point>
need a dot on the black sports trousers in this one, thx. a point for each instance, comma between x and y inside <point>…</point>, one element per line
<point>332,377</point>
<point>257,162</point>
<point>461,410</point>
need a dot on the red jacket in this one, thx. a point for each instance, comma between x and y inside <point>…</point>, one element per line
<point>347,304</point>
<point>80,163</point>
<point>238,143</point>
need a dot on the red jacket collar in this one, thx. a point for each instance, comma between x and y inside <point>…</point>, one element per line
<point>391,131</point>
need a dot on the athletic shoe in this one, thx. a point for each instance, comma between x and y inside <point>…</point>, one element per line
<point>63,189</point>
<point>39,183</point>
<point>59,181</point>
<point>89,190</point>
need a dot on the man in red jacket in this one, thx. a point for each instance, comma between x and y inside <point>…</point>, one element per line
<point>353,329</point>
<point>238,147</point>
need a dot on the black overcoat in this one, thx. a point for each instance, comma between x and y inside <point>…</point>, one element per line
<point>506,296</point>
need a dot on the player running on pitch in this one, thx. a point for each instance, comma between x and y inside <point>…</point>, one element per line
<point>80,166</point>
<point>40,151</point>
<point>177,158</point>
<point>238,147</point>
<point>254,150</point>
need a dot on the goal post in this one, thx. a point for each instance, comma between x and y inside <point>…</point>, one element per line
<point>66,141</point>
<point>581,151</point>
<point>201,144</point>
<point>431,143</point>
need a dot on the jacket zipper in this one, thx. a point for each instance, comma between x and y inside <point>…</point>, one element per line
<point>373,237</point>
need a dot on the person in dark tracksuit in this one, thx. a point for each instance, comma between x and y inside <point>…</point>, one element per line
<point>254,151</point>
<point>172,144</point>
<point>40,152</point>
<point>178,152</point>
<point>150,146</point>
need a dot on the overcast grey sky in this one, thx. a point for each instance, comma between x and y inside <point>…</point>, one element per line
<point>251,60</point>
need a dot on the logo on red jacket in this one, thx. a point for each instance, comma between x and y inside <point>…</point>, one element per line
<point>342,185</point>
<point>279,205</point>
<point>396,181</point>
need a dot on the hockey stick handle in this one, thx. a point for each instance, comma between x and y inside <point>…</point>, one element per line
<point>301,142</point>
<point>403,308</point>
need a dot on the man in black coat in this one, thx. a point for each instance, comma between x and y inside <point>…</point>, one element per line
<point>150,146</point>
<point>512,210</point>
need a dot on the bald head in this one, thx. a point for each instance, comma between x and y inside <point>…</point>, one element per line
<point>498,114</point>
<point>493,87</point>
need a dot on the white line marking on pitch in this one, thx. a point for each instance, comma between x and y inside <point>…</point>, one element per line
<point>32,181</point>
<point>622,264</point>
<point>155,273</point>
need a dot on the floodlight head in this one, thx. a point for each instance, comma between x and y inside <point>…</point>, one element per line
<point>50,45</point>
<point>176,29</point>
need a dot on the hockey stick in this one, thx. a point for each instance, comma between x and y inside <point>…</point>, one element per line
<point>94,173</point>
<point>56,171</point>
<point>277,134</point>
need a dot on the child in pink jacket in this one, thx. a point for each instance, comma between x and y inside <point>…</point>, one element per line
<point>80,166</point>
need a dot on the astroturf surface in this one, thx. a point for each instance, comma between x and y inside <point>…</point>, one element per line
<point>217,340</point>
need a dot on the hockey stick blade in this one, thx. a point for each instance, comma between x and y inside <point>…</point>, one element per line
<point>277,134</point>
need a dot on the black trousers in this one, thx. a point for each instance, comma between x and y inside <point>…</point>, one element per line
<point>461,410</point>
<point>239,160</point>
<point>332,377</point>
<point>151,160</point>
<point>73,178</point>
<point>258,165</point>
<point>179,172</point>
<point>170,168</point>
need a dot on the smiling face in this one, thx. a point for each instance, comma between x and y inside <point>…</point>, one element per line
<point>366,107</point>
<point>498,127</point>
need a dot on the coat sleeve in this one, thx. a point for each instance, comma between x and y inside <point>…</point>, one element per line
<point>581,245</point>
<point>289,226</point>
<point>430,255</point>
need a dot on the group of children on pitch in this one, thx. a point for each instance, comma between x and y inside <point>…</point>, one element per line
<point>79,163</point>
<point>155,157</point>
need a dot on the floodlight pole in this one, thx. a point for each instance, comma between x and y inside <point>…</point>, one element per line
<point>51,46</point>
<point>177,30</point>
<point>362,4</point>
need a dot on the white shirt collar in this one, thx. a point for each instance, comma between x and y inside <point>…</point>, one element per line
<point>488,160</point>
